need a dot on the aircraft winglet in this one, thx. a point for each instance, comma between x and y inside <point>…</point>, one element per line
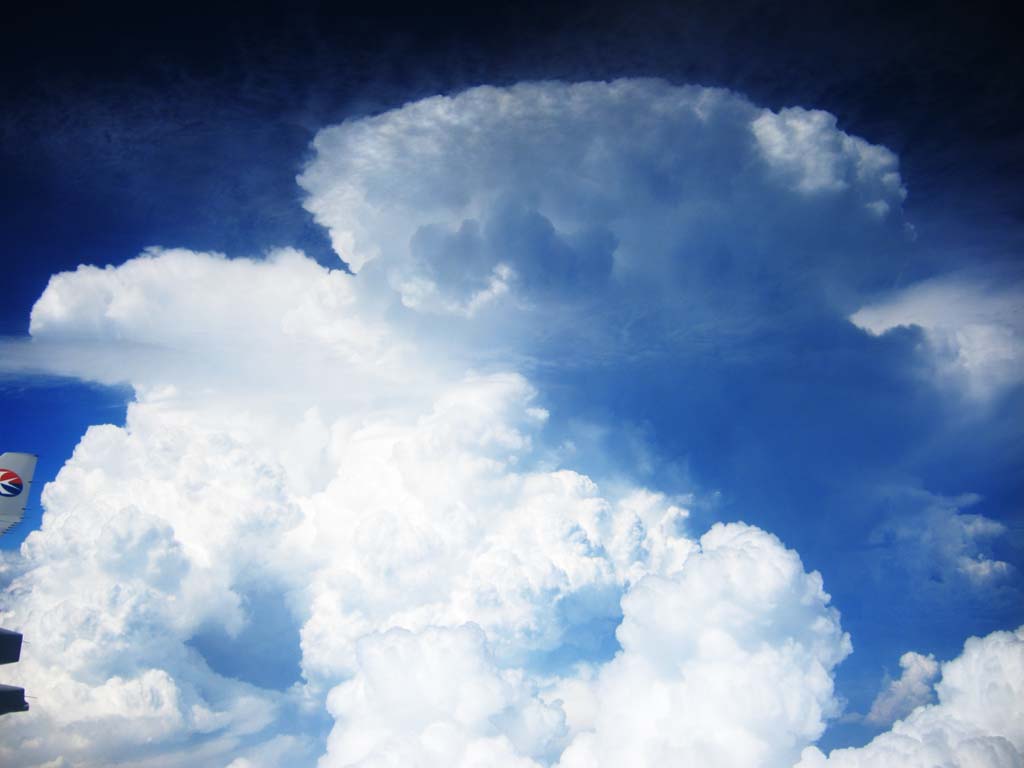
<point>16,470</point>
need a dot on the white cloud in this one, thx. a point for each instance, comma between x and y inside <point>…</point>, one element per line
<point>373,461</point>
<point>404,538</point>
<point>202,327</point>
<point>912,689</point>
<point>581,204</point>
<point>374,513</point>
<point>978,721</point>
<point>974,329</point>
<point>436,698</point>
<point>726,662</point>
<point>146,532</point>
<point>808,148</point>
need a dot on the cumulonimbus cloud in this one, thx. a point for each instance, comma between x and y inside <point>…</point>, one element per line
<point>434,523</point>
<point>352,446</point>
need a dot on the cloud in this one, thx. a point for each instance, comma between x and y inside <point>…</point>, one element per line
<point>813,154</point>
<point>223,486</point>
<point>437,698</point>
<point>146,531</point>
<point>162,318</point>
<point>569,209</point>
<point>739,621</point>
<point>912,689</point>
<point>976,722</point>
<point>726,662</point>
<point>973,329</point>
<point>939,543</point>
<point>428,537</point>
<point>362,457</point>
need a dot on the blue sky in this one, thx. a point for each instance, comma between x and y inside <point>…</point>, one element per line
<point>535,386</point>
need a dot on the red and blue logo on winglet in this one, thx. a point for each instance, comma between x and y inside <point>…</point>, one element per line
<point>10,483</point>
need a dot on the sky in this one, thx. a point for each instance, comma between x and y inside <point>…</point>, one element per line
<point>522,386</point>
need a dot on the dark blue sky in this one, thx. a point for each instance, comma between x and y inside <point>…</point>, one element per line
<point>125,127</point>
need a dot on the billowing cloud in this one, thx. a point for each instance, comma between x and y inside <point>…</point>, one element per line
<point>362,459</point>
<point>430,538</point>
<point>437,698</point>
<point>615,198</point>
<point>978,720</point>
<point>814,155</point>
<point>160,320</point>
<point>726,662</point>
